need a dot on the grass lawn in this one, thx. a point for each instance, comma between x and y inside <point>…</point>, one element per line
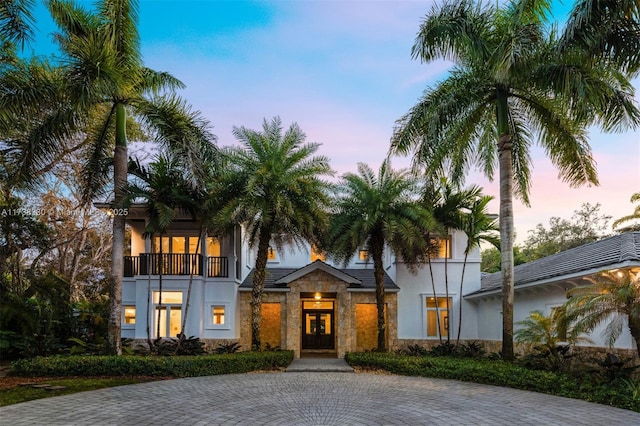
<point>12,393</point>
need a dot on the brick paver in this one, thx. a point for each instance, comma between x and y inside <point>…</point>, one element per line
<point>311,399</point>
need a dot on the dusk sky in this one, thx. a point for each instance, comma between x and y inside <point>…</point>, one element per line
<point>343,71</point>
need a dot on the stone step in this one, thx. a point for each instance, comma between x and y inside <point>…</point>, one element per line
<point>315,365</point>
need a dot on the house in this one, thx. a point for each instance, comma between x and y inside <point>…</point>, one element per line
<point>312,305</point>
<point>543,284</point>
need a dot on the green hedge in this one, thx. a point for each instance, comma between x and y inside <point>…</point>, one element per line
<point>622,394</point>
<point>182,366</point>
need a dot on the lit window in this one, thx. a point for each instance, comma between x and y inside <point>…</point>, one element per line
<point>213,247</point>
<point>168,297</point>
<point>218,315</point>
<point>271,253</point>
<point>129,314</point>
<point>363,255</point>
<point>440,248</point>
<point>432,316</point>
<point>317,255</point>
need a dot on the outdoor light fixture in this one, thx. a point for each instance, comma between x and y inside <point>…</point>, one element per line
<point>317,296</point>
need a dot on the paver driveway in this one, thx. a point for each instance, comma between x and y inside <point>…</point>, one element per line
<point>312,399</point>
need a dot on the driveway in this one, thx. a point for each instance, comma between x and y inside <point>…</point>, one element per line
<point>312,398</point>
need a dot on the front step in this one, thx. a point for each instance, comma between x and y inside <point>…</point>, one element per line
<point>319,365</point>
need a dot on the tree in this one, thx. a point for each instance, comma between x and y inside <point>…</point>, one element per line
<point>509,83</point>
<point>164,187</point>
<point>102,80</point>
<point>478,226</point>
<point>586,225</point>
<point>16,21</point>
<point>635,216</point>
<point>275,189</point>
<point>377,211</point>
<point>614,298</point>
<point>446,203</point>
<point>551,335</point>
<point>608,29</point>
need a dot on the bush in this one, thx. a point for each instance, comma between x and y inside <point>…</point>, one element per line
<point>619,393</point>
<point>184,366</point>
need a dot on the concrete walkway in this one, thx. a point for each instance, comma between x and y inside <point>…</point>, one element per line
<point>311,398</point>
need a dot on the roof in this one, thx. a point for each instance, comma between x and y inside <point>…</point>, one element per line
<point>356,279</point>
<point>619,251</point>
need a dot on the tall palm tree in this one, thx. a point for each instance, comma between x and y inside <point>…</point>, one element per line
<point>165,189</point>
<point>635,198</point>
<point>447,202</point>
<point>377,211</point>
<point>608,30</point>
<point>614,298</point>
<point>103,80</point>
<point>509,85</point>
<point>277,192</point>
<point>478,226</point>
<point>16,20</point>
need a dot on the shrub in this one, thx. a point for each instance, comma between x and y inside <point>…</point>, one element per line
<point>619,393</point>
<point>228,348</point>
<point>184,366</point>
<point>414,350</point>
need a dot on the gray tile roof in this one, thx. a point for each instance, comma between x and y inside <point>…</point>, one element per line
<point>610,253</point>
<point>365,276</point>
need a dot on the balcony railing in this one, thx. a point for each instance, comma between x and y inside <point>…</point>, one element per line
<point>175,264</point>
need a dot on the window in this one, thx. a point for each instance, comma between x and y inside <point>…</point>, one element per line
<point>271,253</point>
<point>432,316</point>
<point>317,255</point>
<point>169,314</point>
<point>213,247</point>
<point>129,315</point>
<point>363,255</point>
<point>440,248</point>
<point>217,315</point>
<point>176,245</point>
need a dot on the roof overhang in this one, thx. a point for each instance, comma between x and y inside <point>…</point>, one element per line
<point>318,265</point>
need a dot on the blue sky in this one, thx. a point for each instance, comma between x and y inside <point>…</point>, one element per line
<point>343,71</point>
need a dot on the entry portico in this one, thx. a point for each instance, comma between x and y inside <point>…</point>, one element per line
<point>319,309</point>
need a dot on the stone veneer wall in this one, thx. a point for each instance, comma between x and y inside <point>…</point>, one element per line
<point>271,323</point>
<point>291,311</point>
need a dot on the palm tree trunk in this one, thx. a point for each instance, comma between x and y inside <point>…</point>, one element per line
<point>377,246</point>
<point>159,308</point>
<point>259,276</point>
<point>464,266</point>
<point>435,295</point>
<point>634,329</point>
<point>446,290</point>
<point>186,308</point>
<point>506,224</point>
<point>117,252</point>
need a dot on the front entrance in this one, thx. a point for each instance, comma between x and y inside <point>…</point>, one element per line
<point>318,325</point>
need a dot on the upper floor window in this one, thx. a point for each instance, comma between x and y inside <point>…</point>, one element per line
<point>440,247</point>
<point>185,245</point>
<point>271,253</point>
<point>317,255</point>
<point>363,255</point>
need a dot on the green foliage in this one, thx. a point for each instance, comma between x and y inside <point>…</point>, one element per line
<point>413,350</point>
<point>228,348</point>
<point>184,366</point>
<point>551,336</point>
<point>619,394</point>
<point>614,368</point>
<point>491,259</point>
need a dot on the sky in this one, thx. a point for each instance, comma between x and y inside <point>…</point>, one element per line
<point>343,71</point>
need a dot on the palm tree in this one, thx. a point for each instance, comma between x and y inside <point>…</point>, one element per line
<point>276,191</point>
<point>614,298</point>
<point>635,198</point>
<point>16,21</point>
<point>164,187</point>
<point>446,202</point>
<point>509,83</point>
<point>478,225</point>
<point>608,30</point>
<point>551,335</point>
<point>373,211</point>
<point>103,80</point>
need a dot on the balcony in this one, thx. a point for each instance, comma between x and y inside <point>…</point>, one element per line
<point>176,264</point>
